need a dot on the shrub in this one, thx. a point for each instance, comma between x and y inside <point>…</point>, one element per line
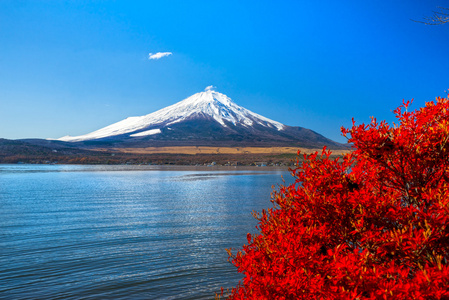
<point>370,225</point>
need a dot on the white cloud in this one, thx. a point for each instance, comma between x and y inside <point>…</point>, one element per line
<point>158,55</point>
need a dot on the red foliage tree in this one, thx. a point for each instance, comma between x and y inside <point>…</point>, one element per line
<point>370,225</point>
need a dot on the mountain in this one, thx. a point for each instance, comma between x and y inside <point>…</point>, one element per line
<point>208,118</point>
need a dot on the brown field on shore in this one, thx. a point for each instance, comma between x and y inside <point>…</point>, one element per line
<point>192,150</point>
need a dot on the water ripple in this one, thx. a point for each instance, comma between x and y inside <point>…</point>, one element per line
<point>70,232</point>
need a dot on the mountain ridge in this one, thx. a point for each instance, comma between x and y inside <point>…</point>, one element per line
<point>205,118</point>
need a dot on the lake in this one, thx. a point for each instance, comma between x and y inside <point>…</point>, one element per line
<point>125,232</point>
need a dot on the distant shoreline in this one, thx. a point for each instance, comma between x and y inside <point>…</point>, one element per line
<point>12,152</point>
<point>160,159</point>
<point>166,167</point>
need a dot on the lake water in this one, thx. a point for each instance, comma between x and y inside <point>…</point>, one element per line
<point>124,232</point>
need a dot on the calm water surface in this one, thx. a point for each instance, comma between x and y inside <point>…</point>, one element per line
<point>116,232</point>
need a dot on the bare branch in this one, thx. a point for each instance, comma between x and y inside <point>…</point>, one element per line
<point>438,17</point>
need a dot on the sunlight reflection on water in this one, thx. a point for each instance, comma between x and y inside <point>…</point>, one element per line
<point>110,232</point>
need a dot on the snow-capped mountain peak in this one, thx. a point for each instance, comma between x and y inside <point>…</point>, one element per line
<point>207,104</point>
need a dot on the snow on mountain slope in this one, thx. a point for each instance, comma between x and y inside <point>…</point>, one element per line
<point>208,103</point>
<point>146,132</point>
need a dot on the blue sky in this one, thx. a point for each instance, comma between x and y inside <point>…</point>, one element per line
<point>71,67</point>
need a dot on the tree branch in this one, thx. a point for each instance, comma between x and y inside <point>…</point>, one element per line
<point>438,17</point>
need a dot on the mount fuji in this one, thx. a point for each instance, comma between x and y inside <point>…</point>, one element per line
<point>208,118</point>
